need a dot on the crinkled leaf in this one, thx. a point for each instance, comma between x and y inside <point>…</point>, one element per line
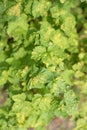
<point>40,8</point>
<point>18,27</point>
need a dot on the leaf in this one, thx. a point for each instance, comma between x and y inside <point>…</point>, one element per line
<point>42,78</point>
<point>60,40</point>
<point>14,10</point>
<point>19,97</point>
<point>18,27</point>
<point>59,87</point>
<point>14,76</point>
<point>28,7</point>
<point>71,102</point>
<point>3,77</point>
<point>20,53</point>
<point>55,11</point>
<point>38,52</point>
<point>46,33</point>
<point>68,24</point>
<point>40,8</point>
<point>67,76</point>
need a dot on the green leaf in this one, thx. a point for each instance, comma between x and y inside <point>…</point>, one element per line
<point>39,81</point>
<point>68,24</point>
<point>46,33</point>
<point>28,7</point>
<point>67,76</point>
<point>3,78</point>
<point>40,8</point>
<point>59,39</point>
<point>55,11</point>
<point>71,102</point>
<point>18,27</point>
<point>38,52</point>
<point>20,53</point>
<point>19,97</point>
<point>59,87</point>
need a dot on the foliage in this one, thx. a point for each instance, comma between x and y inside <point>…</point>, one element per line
<point>40,62</point>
